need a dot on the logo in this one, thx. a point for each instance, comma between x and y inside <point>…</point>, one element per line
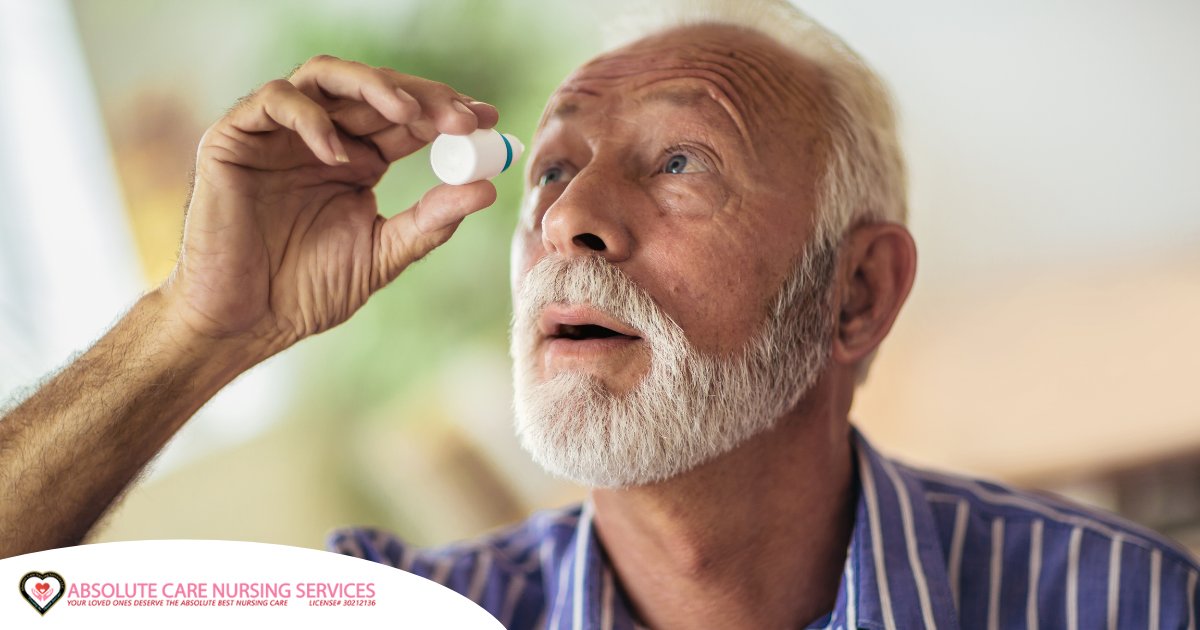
<point>41,590</point>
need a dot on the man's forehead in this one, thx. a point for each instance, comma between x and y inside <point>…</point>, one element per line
<point>756,77</point>
<point>703,104</point>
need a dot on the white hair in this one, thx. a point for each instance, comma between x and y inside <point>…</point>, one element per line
<point>863,179</point>
<point>690,407</point>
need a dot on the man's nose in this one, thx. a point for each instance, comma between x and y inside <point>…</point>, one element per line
<point>589,217</point>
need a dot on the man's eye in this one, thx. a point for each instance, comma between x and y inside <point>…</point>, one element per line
<point>677,164</point>
<point>551,175</point>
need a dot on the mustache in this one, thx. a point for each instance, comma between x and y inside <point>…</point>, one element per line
<point>594,281</point>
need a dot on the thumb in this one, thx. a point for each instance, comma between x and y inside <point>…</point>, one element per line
<point>408,236</point>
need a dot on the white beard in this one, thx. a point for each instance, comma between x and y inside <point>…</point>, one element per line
<point>690,407</point>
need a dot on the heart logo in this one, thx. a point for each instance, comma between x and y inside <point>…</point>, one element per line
<point>42,590</point>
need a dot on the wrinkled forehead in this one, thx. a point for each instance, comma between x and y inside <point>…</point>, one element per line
<point>770,90</point>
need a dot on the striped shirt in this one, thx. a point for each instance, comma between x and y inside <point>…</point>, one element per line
<point>928,551</point>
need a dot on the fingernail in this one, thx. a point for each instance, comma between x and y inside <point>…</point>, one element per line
<point>462,108</point>
<point>339,151</point>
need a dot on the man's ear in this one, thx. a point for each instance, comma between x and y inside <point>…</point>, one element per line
<point>879,263</point>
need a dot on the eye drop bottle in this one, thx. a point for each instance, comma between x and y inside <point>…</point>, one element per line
<point>482,154</point>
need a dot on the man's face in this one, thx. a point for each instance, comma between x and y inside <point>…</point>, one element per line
<point>687,162</point>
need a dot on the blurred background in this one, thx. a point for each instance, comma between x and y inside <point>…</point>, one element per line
<point>1052,339</point>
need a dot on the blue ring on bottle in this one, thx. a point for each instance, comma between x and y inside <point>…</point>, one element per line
<point>508,150</point>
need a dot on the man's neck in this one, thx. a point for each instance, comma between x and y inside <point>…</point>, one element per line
<point>754,539</point>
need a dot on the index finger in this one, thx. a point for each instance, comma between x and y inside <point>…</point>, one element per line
<point>340,78</point>
<point>486,114</point>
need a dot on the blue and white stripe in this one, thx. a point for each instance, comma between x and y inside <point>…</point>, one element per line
<point>928,551</point>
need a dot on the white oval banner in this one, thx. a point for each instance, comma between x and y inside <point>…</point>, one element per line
<point>199,583</point>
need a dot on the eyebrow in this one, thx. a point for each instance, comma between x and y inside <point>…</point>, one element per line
<point>679,97</point>
<point>688,97</point>
<point>564,110</point>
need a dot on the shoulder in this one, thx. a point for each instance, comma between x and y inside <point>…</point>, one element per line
<point>1066,551</point>
<point>497,570</point>
<point>993,502</point>
<point>514,547</point>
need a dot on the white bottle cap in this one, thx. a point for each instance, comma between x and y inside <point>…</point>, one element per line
<point>482,154</point>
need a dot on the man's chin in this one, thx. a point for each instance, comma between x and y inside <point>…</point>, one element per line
<point>570,425</point>
<point>615,372</point>
<point>577,429</point>
<point>615,383</point>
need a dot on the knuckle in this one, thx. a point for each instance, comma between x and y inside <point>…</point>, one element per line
<point>322,59</point>
<point>275,88</point>
<point>443,91</point>
<point>390,73</point>
<point>448,96</point>
<point>371,74</point>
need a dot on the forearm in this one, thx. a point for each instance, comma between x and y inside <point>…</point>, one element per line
<point>69,451</point>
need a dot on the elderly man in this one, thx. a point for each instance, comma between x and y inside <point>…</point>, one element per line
<point>710,251</point>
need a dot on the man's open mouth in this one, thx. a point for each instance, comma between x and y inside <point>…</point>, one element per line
<point>583,323</point>
<point>587,331</point>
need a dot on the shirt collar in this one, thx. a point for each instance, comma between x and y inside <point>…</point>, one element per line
<point>582,591</point>
<point>895,573</point>
<point>895,557</point>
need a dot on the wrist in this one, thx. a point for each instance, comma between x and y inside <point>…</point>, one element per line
<point>219,357</point>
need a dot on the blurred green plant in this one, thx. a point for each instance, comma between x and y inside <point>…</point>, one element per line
<point>459,295</point>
